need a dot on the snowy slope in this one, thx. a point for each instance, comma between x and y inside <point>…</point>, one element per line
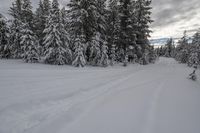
<point>37,98</point>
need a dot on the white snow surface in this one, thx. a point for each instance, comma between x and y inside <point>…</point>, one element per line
<point>157,98</point>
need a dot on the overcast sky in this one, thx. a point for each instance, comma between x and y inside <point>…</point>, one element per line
<point>171,17</point>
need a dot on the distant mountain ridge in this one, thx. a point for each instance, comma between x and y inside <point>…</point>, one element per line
<point>161,41</point>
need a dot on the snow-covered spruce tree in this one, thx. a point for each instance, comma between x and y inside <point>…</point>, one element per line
<point>79,57</point>
<point>143,17</point>
<point>4,36</point>
<point>112,54</point>
<point>15,29</point>
<point>113,29</point>
<point>40,18</point>
<point>183,56</point>
<point>39,21</point>
<point>127,32</point>
<point>196,44</point>
<point>189,52</point>
<point>27,14</point>
<point>173,52</point>
<point>16,10</point>
<point>104,55</point>
<point>95,50</point>
<point>98,50</point>
<point>182,50</point>
<point>55,49</point>
<point>160,51</point>
<point>196,39</point>
<point>100,17</point>
<point>47,7</point>
<point>82,24</point>
<point>169,48</point>
<point>152,55</point>
<point>135,59</point>
<point>144,60</point>
<point>27,21</point>
<point>65,36</point>
<point>193,59</point>
<point>82,20</point>
<point>30,45</point>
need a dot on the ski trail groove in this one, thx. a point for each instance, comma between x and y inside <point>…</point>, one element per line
<point>79,99</point>
<point>151,112</point>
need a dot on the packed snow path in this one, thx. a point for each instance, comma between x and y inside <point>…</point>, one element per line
<point>158,98</point>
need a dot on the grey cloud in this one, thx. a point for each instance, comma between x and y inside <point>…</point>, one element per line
<point>167,12</point>
<point>193,27</point>
<point>5,4</point>
<point>192,30</point>
<point>168,17</point>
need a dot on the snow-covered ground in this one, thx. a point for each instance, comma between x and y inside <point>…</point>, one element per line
<point>158,98</point>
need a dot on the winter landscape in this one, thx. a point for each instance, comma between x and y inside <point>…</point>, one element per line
<point>99,66</point>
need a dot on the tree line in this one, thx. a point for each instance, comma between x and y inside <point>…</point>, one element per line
<point>92,32</point>
<point>186,51</point>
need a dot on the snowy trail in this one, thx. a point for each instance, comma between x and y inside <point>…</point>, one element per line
<point>144,99</point>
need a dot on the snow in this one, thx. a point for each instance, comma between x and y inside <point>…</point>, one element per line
<point>157,98</point>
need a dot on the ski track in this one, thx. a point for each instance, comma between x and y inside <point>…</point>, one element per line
<point>24,116</point>
<point>151,116</point>
<point>151,112</point>
<point>44,101</point>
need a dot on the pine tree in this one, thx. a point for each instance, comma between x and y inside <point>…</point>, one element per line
<point>169,48</point>
<point>65,36</point>
<point>152,55</point>
<point>112,55</point>
<point>100,17</point>
<point>104,56</point>
<point>30,45</point>
<point>193,59</point>
<point>16,10</point>
<point>182,49</point>
<point>184,40</point>
<point>83,25</point>
<point>145,58</point>
<point>113,29</point>
<point>55,50</point>
<point>95,50</point>
<point>4,36</point>
<point>79,58</point>
<point>135,58</point>
<point>127,31</point>
<point>98,51</point>
<point>187,52</point>
<point>194,49</point>
<point>47,8</point>
<point>41,16</point>
<point>196,39</point>
<point>40,21</point>
<point>15,29</point>
<point>143,19</point>
<point>27,13</point>
<point>82,20</point>
<point>27,19</point>
<point>99,39</point>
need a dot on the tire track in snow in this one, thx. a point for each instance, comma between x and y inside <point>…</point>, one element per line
<point>81,106</point>
<point>151,114</point>
<point>25,116</point>
<point>75,105</point>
